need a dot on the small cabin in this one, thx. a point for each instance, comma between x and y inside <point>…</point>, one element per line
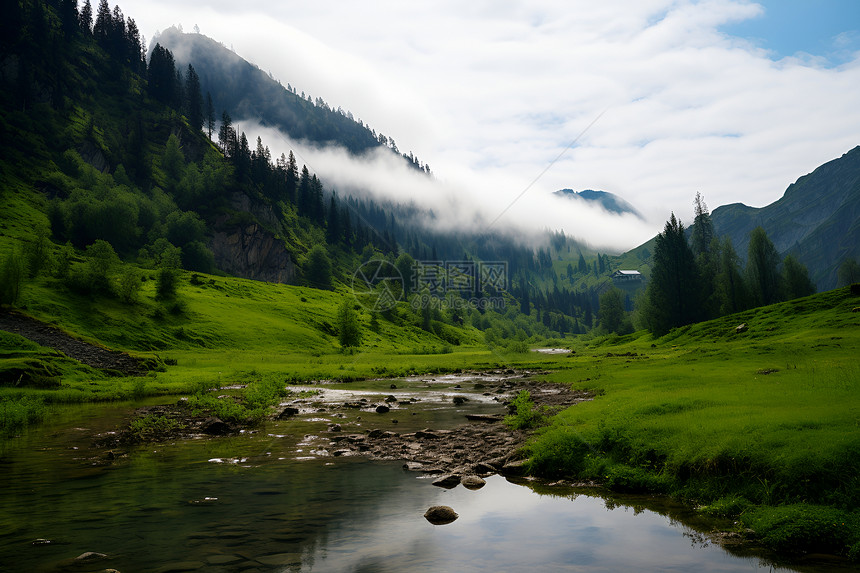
<point>626,276</point>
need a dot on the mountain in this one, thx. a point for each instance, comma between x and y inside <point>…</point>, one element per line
<point>817,219</point>
<point>111,192</point>
<point>609,201</point>
<point>248,93</point>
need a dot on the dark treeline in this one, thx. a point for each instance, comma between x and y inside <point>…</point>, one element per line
<point>702,278</point>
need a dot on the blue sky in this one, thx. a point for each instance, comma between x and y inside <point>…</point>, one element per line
<point>824,28</point>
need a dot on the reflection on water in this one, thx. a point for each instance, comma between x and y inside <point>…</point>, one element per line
<point>263,502</point>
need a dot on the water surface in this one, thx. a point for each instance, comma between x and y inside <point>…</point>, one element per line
<point>274,500</point>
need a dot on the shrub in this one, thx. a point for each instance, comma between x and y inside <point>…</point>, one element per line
<point>101,259</point>
<point>729,506</point>
<point>11,277</point>
<point>348,325</point>
<point>15,415</point>
<point>38,254</point>
<point>168,282</point>
<point>153,427</point>
<point>129,284</point>
<point>318,268</point>
<point>524,413</point>
<point>804,528</point>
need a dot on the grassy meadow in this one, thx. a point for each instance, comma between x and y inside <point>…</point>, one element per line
<point>762,424</point>
<point>733,421</point>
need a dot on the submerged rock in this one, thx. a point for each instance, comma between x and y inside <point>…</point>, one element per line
<point>382,409</point>
<point>440,515</point>
<point>490,418</point>
<point>90,556</point>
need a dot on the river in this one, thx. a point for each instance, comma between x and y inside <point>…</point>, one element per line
<point>273,500</point>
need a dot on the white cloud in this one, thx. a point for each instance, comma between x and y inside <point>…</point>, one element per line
<point>489,93</point>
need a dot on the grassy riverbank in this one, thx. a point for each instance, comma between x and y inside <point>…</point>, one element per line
<point>762,424</point>
<point>220,331</point>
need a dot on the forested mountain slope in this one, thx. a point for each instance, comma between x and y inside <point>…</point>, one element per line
<point>817,219</point>
<point>247,92</point>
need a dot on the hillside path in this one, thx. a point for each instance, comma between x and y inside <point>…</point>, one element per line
<point>89,354</point>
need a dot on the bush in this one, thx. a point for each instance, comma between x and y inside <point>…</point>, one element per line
<point>197,257</point>
<point>518,346</point>
<point>38,254</point>
<point>11,277</point>
<point>168,282</point>
<point>153,427</point>
<point>100,260</point>
<point>804,528</point>
<point>348,325</point>
<point>729,506</point>
<point>524,413</point>
<point>318,269</point>
<point>15,415</point>
<point>129,284</point>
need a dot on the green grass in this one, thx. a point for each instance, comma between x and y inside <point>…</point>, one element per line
<point>742,423</point>
<point>770,416</point>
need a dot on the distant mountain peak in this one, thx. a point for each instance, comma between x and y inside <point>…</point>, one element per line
<point>609,201</point>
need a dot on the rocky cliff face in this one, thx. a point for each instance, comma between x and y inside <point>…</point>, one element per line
<point>251,252</point>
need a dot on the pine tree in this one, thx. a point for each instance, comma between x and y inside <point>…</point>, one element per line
<point>86,18</point>
<point>611,310</point>
<point>795,278</point>
<point>193,104</point>
<point>673,295</point>
<point>318,269</point>
<point>162,75</point>
<point>304,192</point>
<point>730,289</point>
<point>226,134</point>
<point>103,24</point>
<point>291,178</point>
<point>763,269</point>
<point>849,272</point>
<point>134,47</point>
<point>317,211</point>
<point>69,17</point>
<point>333,230</point>
<point>210,115</point>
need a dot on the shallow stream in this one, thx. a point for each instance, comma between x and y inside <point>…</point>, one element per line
<point>276,500</point>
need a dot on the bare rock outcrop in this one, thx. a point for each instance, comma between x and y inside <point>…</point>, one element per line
<point>249,251</point>
<point>251,248</point>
